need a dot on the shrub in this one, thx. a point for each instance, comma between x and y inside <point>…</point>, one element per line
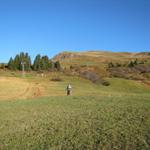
<point>105,83</point>
<point>131,64</point>
<point>118,65</point>
<point>56,79</point>
<point>110,65</point>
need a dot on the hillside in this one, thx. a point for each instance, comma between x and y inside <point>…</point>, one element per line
<point>37,114</point>
<point>99,63</point>
<point>93,117</point>
<point>100,56</point>
<point>77,67</point>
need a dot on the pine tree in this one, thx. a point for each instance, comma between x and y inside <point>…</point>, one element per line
<point>22,60</point>
<point>44,63</point>
<point>11,64</point>
<point>27,61</point>
<point>36,64</point>
<point>17,63</point>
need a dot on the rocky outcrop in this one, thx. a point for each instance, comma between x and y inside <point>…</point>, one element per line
<point>65,55</point>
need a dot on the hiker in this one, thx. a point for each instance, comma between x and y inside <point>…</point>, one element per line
<point>68,89</point>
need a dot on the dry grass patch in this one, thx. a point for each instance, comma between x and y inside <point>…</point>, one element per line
<point>16,88</point>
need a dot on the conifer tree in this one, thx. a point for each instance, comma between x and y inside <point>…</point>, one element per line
<point>27,61</point>
<point>17,62</point>
<point>36,64</point>
<point>11,64</point>
<point>44,63</point>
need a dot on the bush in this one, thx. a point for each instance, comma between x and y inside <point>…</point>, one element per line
<point>105,83</point>
<point>131,64</point>
<point>110,65</point>
<point>56,79</point>
<point>118,65</point>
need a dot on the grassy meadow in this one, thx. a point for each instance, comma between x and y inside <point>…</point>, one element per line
<point>35,113</point>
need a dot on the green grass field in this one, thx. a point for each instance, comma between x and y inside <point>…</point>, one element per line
<point>94,117</point>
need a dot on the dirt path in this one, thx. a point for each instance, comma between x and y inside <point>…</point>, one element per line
<point>31,91</point>
<point>14,88</point>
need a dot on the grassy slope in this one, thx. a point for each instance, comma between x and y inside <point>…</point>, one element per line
<point>35,86</point>
<point>77,122</point>
<point>18,87</point>
<point>95,117</point>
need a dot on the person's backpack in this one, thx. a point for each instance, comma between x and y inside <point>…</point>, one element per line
<point>69,86</point>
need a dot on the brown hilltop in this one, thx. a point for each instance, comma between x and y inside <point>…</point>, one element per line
<point>65,55</point>
<point>100,56</point>
<point>97,62</point>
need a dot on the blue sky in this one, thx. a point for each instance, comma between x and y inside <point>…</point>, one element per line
<point>50,26</point>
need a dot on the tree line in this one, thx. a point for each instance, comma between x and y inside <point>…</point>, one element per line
<point>40,63</point>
